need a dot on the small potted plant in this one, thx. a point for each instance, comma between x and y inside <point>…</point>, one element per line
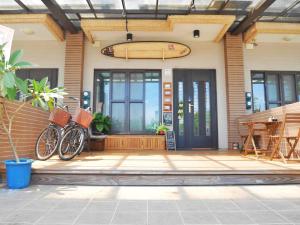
<point>161,129</point>
<point>18,170</point>
<point>101,124</point>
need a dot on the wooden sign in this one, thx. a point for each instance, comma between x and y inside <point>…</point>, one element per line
<point>147,50</point>
<point>170,140</point>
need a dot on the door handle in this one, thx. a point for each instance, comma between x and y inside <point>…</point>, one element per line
<point>190,107</point>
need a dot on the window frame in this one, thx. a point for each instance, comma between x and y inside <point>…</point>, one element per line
<point>127,101</point>
<point>279,75</point>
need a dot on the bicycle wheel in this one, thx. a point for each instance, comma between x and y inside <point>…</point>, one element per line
<point>71,143</point>
<point>47,142</point>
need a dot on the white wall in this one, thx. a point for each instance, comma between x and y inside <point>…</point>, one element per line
<point>44,54</point>
<point>271,56</point>
<point>203,56</point>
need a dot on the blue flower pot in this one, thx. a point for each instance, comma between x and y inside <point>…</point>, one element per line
<point>18,174</point>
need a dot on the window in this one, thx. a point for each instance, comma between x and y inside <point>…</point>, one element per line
<point>131,98</point>
<point>273,89</point>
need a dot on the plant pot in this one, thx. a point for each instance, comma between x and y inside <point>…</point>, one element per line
<point>18,174</point>
<point>161,132</point>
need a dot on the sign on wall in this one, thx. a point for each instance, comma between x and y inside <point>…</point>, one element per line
<point>6,36</point>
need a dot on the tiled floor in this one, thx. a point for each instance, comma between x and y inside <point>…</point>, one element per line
<point>86,205</point>
<point>166,161</point>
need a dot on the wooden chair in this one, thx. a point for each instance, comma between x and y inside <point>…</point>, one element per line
<point>292,140</point>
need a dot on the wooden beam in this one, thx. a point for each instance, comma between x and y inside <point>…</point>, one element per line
<point>44,19</point>
<point>156,25</point>
<point>20,3</point>
<point>250,34</point>
<point>60,16</point>
<point>252,17</point>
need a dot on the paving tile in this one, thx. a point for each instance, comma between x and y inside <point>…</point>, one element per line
<point>280,204</point>
<point>95,218</point>
<point>164,218</point>
<point>199,218</point>
<point>249,205</point>
<point>23,216</point>
<point>127,206</point>
<point>162,205</point>
<point>266,217</point>
<point>133,218</point>
<point>233,218</point>
<point>221,205</point>
<point>192,205</point>
<point>41,204</point>
<point>291,215</point>
<point>99,206</point>
<point>58,217</point>
<point>69,204</point>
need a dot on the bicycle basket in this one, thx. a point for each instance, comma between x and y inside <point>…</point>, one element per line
<point>59,117</point>
<point>83,118</point>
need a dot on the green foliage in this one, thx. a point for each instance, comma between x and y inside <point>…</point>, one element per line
<point>102,123</point>
<point>161,128</point>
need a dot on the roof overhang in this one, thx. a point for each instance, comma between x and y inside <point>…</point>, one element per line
<point>271,29</point>
<point>101,25</point>
<point>34,19</point>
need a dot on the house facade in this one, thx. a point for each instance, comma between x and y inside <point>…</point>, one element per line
<point>240,63</point>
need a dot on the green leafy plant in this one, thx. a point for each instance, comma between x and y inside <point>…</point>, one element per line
<point>38,93</point>
<point>102,123</point>
<point>161,129</point>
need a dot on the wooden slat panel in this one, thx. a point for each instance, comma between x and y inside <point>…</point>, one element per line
<point>135,142</point>
<point>234,67</point>
<point>73,67</point>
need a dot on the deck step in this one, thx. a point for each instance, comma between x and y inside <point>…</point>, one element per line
<point>164,178</point>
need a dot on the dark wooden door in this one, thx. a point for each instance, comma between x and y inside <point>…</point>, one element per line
<point>195,109</point>
<point>38,74</point>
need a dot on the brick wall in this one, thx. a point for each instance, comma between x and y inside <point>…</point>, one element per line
<point>278,113</point>
<point>235,87</point>
<point>73,67</point>
<point>28,124</point>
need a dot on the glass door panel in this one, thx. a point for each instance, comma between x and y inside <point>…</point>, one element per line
<point>136,86</point>
<point>196,108</point>
<point>136,117</point>
<point>207,109</point>
<point>118,117</point>
<point>289,89</point>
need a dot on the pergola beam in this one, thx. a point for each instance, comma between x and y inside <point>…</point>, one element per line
<point>20,3</point>
<point>252,17</point>
<point>59,15</point>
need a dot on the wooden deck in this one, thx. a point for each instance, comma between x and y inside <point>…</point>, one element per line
<point>164,168</point>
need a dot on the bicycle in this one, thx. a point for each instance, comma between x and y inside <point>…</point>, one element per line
<point>73,140</point>
<point>61,123</point>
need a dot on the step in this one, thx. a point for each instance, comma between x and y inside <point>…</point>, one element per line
<point>163,178</point>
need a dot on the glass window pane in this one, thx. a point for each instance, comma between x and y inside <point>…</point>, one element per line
<point>174,4</point>
<point>273,105</point>
<point>196,108</point>
<point>258,95</point>
<point>152,107</point>
<point>207,109</point>
<point>118,86</point>
<point>140,4</point>
<point>298,86</point>
<point>34,4</point>
<point>107,4</point>
<point>180,112</point>
<point>288,82</point>
<point>9,5</point>
<point>136,86</point>
<point>118,117</point>
<point>136,117</point>
<point>273,88</point>
<point>279,5</point>
<point>73,4</point>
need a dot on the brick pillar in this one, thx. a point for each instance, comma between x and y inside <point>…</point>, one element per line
<point>234,67</point>
<point>73,76</point>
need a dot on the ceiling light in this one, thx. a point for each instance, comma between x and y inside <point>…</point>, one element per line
<point>27,31</point>
<point>196,33</point>
<point>129,36</point>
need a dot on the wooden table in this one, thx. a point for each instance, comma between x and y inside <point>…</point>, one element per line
<point>269,127</point>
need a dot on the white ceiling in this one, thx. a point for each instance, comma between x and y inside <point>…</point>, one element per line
<point>39,32</point>
<point>278,38</point>
<point>181,32</point>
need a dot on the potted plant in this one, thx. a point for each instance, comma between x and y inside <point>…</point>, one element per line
<point>18,170</point>
<point>161,129</point>
<point>101,124</point>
